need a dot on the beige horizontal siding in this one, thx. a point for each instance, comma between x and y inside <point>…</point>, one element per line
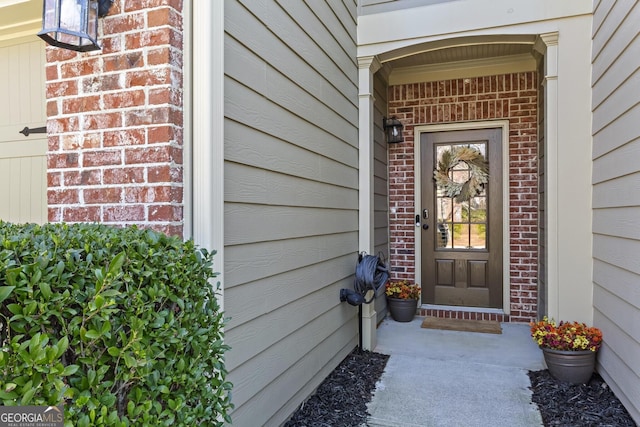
<point>289,287</point>
<point>616,195</point>
<point>291,199</point>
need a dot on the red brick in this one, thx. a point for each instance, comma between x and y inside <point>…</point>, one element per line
<point>148,61</point>
<point>140,194</point>
<point>124,99</point>
<point>123,214</point>
<point>62,161</point>
<point>155,57</point>
<point>168,229</point>
<point>84,67</point>
<point>150,77</point>
<point>55,54</point>
<point>103,195</point>
<point>118,24</point>
<point>161,134</point>
<point>147,116</point>
<point>51,72</point>
<point>132,5</point>
<point>125,137</point>
<point>63,197</point>
<point>167,213</point>
<point>81,214</point>
<point>164,16</point>
<point>159,56</point>
<point>54,214</point>
<point>161,96</point>
<point>62,88</point>
<point>70,142</point>
<point>54,179</point>
<point>102,121</point>
<point>111,44</point>
<point>91,140</point>
<point>101,83</point>
<point>124,61</point>
<point>123,176</point>
<point>81,104</point>
<point>101,158</point>
<point>53,141</point>
<point>149,38</point>
<point>162,154</point>
<point>83,177</point>
<point>52,108</point>
<point>161,173</point>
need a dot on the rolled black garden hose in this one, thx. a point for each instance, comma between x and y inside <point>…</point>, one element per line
<point>371,273</point>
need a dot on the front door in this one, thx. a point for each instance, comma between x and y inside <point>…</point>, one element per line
<point>461,217</point>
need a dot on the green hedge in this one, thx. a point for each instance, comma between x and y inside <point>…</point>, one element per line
<point>119,324</point>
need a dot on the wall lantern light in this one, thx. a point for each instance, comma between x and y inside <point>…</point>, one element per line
<point>73,24</point>
<point>393,130</point>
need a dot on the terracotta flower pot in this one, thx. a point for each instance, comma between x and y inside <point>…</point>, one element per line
<point>575,367</point>
<point>402,310</point>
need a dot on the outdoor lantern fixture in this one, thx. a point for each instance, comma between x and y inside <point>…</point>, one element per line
<point>393,129</point>
<point>73,24</point>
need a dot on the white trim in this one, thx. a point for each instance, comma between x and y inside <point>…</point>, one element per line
<point>462,69</point>
<point>187,120</point>
<point>18,39</point>
<point>8,33</point>
<point>506,253</point>
<point>207,112</point>
<point>385,32</point>
<point>551,205</point>
<point>367,66</point>
<point>19,18</point>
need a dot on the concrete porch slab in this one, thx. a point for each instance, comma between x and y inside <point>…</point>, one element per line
<point>450,378</point>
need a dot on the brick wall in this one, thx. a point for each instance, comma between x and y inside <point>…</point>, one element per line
<point>115,121</point>
<point>508,96</point>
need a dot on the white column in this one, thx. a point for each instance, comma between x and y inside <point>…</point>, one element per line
<point>551,154</point>
<point>208,129</point>
<point>367,66</point>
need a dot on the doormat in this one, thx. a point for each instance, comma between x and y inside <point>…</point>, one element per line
<point>483,326</point>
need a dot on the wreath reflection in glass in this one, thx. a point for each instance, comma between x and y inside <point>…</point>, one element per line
<point>478,173</point>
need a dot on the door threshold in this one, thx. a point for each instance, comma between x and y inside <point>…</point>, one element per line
<point>463,313</point>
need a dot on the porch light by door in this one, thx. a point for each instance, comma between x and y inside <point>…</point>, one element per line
<point>392,129</point>
<point>73,24</point>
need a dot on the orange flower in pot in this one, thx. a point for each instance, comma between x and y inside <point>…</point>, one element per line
<point>402,299</point>
<point>569,348</point>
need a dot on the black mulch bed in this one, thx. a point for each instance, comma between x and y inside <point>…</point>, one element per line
<point>341,399</point>
<point>586,405</point>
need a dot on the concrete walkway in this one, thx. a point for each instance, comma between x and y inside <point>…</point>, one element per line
<point>447,378</point>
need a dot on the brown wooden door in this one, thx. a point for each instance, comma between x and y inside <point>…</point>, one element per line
<point>462,246</point>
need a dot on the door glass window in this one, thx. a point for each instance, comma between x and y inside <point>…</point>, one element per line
<point>462,224</point>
